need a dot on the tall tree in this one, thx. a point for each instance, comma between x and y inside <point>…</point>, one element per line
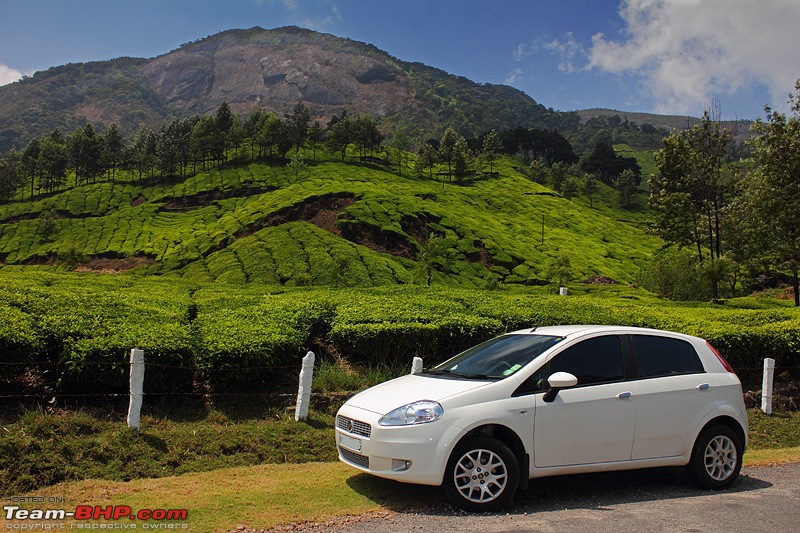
<point>297,126</point>
<point>12,174</point>
<point>625,184</point>
<point>462,158</point>
<point>225,121</point>
<point>52,164</point>
<point>691,189</point>
<point>252,125</point>
<point>142,151</point>
<point>426,160</point>
<point>85,151</point>
<point>590,188</point>
<point>446,149</point>
<point>112,148</point>
<point>173,148</point>
<point>776,185</point>
<point>366,135</point>
<point>30,161</point>
<point>340,135</point>
<point>400,144</point>
<point>491,147</point>
<point>316,136</point>
<point>606,164</point>
<point>205,142</point>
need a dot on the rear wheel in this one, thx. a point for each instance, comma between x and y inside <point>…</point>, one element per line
<point>482,474</point>
<point>716,458</point>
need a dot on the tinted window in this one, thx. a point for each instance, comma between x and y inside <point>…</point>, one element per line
<point>597,360</point>
<point>662,356</point>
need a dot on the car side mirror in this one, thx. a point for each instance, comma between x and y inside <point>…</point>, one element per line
<point>558,381</point>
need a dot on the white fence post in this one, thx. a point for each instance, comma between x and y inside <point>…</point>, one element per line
<point>416,365</point>
<point>766,385</point>
<point>137,388</point>
<point>304,390</point>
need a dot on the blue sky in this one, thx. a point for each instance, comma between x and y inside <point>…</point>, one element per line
<point>662,56</point>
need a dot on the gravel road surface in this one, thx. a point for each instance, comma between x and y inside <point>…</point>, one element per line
<point>763,499</point>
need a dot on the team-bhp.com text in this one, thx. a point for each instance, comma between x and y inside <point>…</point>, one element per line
<point>115,513</point>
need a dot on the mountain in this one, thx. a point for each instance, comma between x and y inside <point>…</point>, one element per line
<point>665,123</point>
<point>272,69</point>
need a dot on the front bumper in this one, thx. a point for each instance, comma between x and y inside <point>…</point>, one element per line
<point>410,454</point>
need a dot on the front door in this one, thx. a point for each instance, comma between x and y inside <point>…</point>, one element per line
<point>594,421</point>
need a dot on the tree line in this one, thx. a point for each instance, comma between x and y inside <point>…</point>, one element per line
<point>182,146</point>
<point>185,146</point>
<point>741,217</point>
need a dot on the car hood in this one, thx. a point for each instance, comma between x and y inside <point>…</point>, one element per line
<point>398,392</point>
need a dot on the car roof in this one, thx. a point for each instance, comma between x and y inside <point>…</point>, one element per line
<point>584,329</point>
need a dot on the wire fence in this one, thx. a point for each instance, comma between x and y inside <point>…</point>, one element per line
<point>7,370</point>
<point>750,377</point>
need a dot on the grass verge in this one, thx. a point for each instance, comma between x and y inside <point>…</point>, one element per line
<point>267,496</point>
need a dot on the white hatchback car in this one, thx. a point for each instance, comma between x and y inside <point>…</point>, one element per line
<point>550,401</point>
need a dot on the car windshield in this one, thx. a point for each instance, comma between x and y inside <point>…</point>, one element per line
<point>496,358</point>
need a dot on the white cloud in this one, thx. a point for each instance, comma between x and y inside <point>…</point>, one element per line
<point>568,50</point>
<point>688,51</point>
<point>520,52</point>
<point>9,75</point>
<point>515,76</point>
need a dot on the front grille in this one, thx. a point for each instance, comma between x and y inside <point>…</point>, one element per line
<point>353,457</point>
<point>354,427</point>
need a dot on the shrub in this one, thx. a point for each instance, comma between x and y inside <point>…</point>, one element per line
<point>677,275</point>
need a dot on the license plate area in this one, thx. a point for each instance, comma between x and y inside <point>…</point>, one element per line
<point>350,443</point>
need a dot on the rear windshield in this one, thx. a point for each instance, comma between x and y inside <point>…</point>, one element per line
<point>496,358</point>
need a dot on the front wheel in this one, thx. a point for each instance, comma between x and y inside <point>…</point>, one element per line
<point>482,474</point>
<point>716,458</point>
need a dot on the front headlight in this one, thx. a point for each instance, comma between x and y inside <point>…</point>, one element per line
<point>420,412</point>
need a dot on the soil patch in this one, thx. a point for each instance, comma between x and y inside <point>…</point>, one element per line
<point>322,211</point>
<point>195,201</point>
<point>114,265</point>
<point>601,280</point>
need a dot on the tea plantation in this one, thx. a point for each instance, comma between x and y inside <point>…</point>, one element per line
<point>228,277</point>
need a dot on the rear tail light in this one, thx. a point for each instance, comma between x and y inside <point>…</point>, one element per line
<point>721,359</point>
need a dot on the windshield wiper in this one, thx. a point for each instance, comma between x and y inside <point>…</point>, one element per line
<point>434,372</point>
<point>473,376</point>
<point>455,374</point>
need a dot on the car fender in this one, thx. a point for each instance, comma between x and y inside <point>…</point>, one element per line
<point>514,414</point>
<point>717,409</point>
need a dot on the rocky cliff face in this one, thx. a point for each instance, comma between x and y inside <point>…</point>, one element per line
<point>276,70</point>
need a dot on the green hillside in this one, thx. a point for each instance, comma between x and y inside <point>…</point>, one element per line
<point>341,224</point>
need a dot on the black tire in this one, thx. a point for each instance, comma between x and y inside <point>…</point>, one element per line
<point>716,458</point>
<point>482,475</point>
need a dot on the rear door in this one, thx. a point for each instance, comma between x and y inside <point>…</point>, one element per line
<point>673,394</point>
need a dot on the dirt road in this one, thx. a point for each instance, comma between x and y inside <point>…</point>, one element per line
<point>763,499</point>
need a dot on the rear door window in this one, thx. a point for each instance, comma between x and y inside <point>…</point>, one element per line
<point>664,356</point>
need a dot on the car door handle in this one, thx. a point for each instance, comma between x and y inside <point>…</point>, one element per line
<point>624,395</point>
<point>703,386</point>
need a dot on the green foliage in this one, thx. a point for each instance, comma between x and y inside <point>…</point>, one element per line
<point>41,448</point>
<point>774,192</point>
<point>677,275</point>
<point>559,270</point>
<point>340,376</point>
